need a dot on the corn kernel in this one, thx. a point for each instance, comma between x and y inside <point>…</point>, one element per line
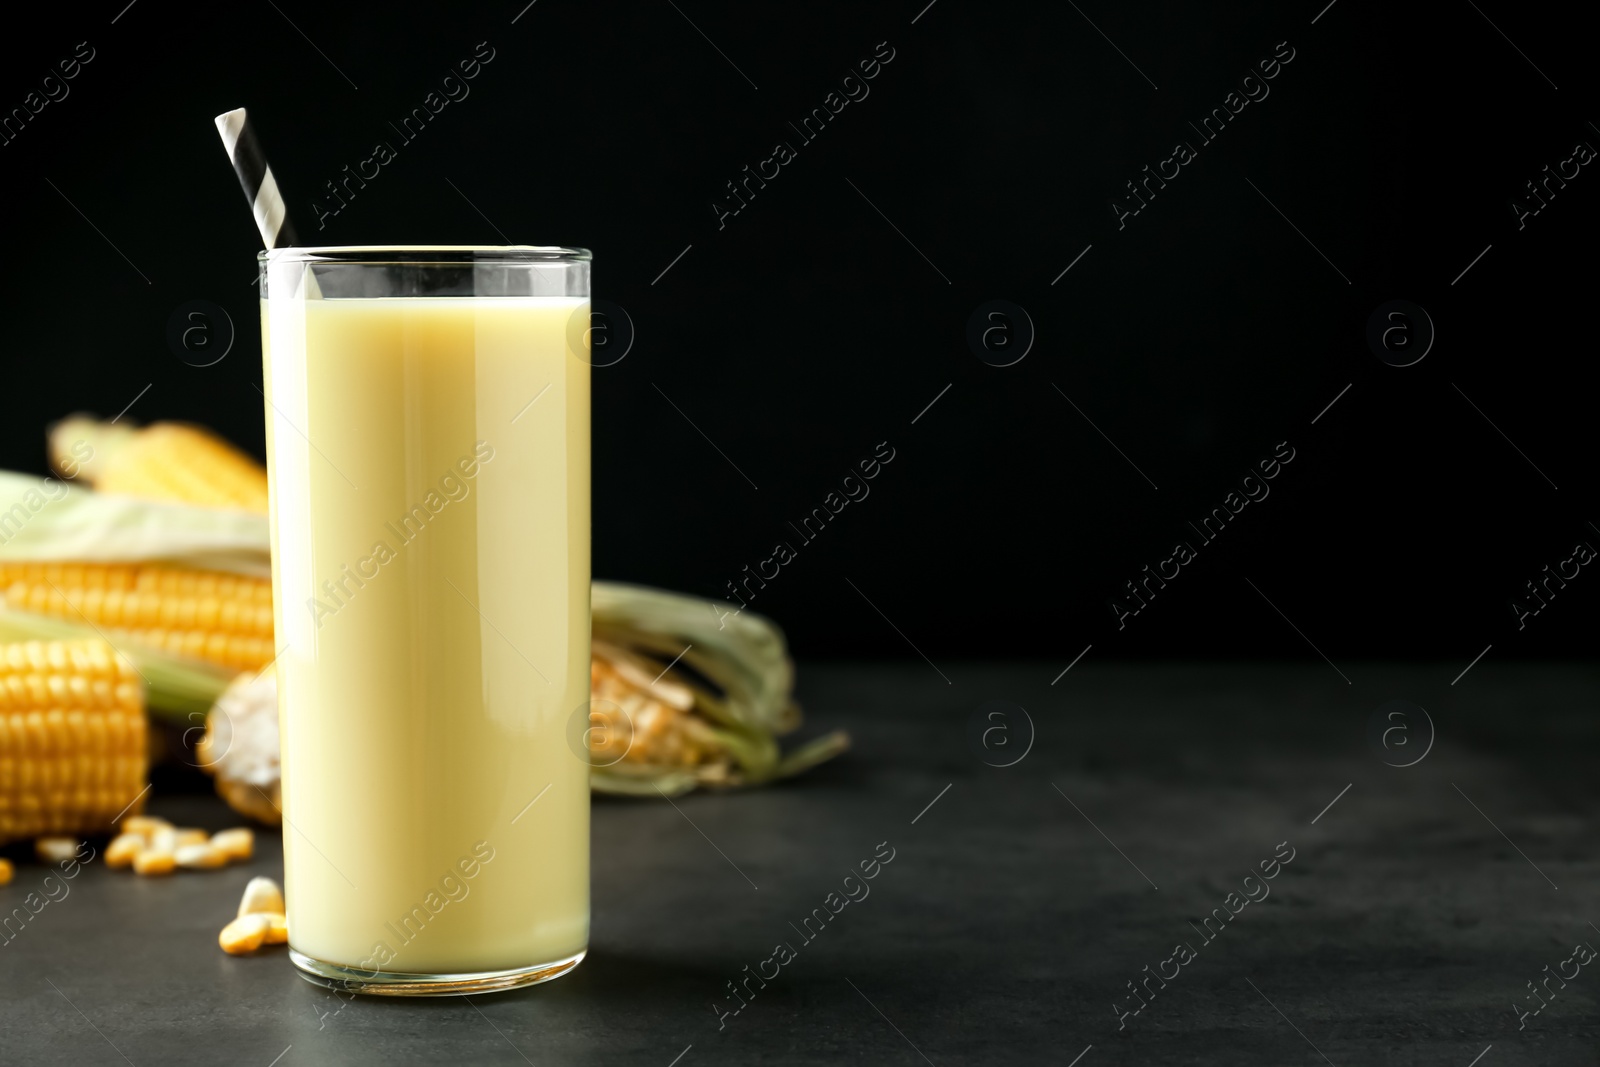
<point>262,896</point>
<point>201,857</point>
<point>124,848</point>
<point>144,825</point>
<point>236,844</point>
<point>6,872</point>
<point>55,849</point>
<point>188,835</point>
<point>158,605</point>
<point>278,931</point>
<point>244,934</point>
<point>154,861</point>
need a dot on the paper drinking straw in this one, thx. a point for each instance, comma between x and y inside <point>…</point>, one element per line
<point>260,188</point>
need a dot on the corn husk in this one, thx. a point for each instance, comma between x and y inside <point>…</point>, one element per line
<point>43,519</point>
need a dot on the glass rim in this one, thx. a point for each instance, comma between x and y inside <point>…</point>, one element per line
<point>450,255</point>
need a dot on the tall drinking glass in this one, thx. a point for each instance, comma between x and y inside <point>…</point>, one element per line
<point>428,456</point>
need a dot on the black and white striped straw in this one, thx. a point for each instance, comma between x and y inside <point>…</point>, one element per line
<point>260,188</point>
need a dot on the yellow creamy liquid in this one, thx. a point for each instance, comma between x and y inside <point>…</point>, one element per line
<point>427,689</point>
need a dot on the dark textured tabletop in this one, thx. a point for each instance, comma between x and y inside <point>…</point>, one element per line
<point>1416,905</point>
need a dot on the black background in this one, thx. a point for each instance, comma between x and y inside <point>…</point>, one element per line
<point>807,330</point>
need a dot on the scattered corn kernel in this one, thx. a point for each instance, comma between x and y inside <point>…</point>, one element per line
<point>55,849</point>
<point>164,839</point>
<point>278,931</point>
<point>144,825</point>
<point>201,857</point>
<point>262,896</point>
<point>124,848</point>
<point>154,861</point>
<point>191,836</point>
<point>244,934</point>
<point>6,871</point>
<point>236,844</point>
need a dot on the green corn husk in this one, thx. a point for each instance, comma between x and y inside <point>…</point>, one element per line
<point>45,520</point>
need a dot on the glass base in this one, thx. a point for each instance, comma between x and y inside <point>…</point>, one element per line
<point>408,984</point>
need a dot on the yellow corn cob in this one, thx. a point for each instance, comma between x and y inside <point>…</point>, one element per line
<point>72,738</point>
<point>221,618</point>
<point>174,461</point>
<point>163,461</point>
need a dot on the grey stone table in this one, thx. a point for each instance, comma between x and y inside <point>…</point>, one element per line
<point>1021,903</point>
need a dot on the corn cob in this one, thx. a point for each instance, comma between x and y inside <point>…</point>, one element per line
<point>72,738</point>
<point>654,729</point>
<point>222,618</point>
<point>686,695</point>
<point>240,747</point>
<point>163,461</point>
<point>636,716</point>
